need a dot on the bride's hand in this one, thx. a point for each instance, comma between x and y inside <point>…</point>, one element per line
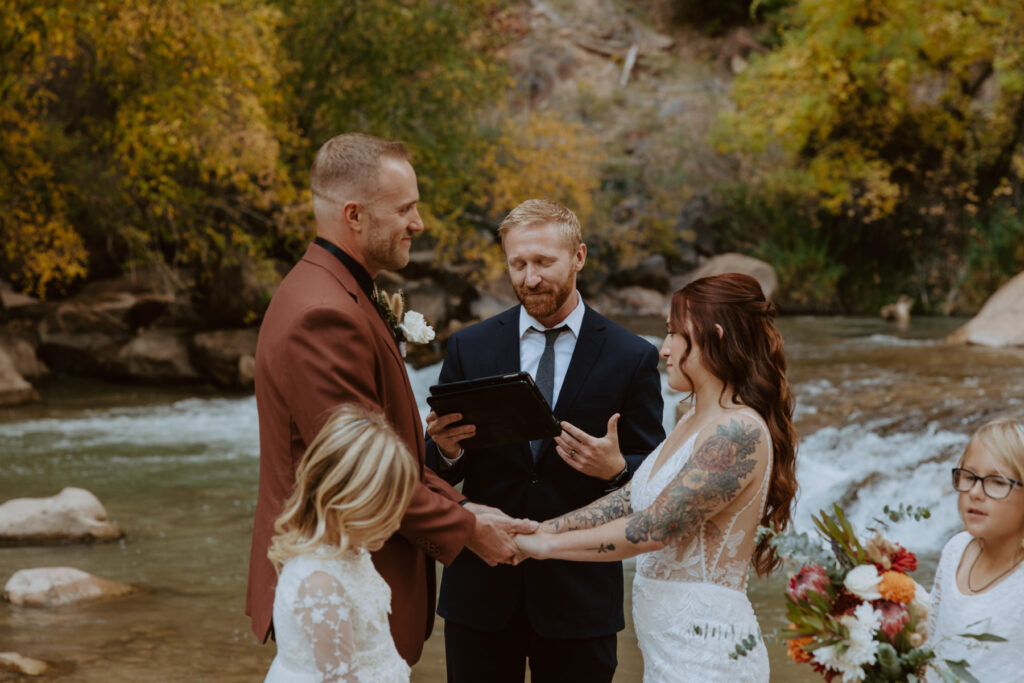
<point>534,545</point>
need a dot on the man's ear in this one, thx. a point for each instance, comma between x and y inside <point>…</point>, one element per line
<point>581,257</point>
<point>352,214</point>
<point>721,332</point>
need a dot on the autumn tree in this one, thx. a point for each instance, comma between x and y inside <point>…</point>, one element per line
<point>884,135</point>
<point>136,131</point>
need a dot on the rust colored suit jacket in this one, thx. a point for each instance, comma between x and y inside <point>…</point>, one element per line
<point>322,343</point>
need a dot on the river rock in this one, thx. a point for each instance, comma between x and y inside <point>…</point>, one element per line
<point>54,586</point>
<point>226,357</point>
<point>14,390</point>
<point>19,343</point>
<point>74,514</point>
<point>763,272</point>
<point>1000,322</point>
<point>11,299</point>
<point>651,273</point>
<point>22,664</point>
<point>154,355</point>
<point>631,301</point>
<point>898,311</point>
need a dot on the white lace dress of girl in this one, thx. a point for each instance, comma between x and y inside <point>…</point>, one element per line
<point>998,611</point>
<point>690,607</point>
<point>331,623</point>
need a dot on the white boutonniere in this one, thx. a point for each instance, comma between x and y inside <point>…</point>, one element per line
<point>407,326</point>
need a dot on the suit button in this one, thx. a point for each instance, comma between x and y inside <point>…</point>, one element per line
<point>534,481</point>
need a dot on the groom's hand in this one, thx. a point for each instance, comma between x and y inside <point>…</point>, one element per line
<point>492,539</point>
<point>445,435</point>
<point>594,456</point>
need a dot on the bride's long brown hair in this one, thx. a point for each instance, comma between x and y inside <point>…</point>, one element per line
<point>749,358</point>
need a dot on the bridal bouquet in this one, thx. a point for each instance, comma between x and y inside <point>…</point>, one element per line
<point>855,613</point>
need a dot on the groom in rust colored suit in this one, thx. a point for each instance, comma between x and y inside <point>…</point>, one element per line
<point>323,342</point>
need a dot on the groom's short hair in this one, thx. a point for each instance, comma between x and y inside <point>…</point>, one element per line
<point>544,212</point>
<point>348,164</point>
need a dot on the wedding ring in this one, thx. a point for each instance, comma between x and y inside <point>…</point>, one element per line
<point>572,453</point>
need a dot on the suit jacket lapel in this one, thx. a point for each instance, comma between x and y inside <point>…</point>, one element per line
<point>506,342</point>
<point>323,258</point>
<point>588,348</point>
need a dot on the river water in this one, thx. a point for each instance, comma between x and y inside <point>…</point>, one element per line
<point>883,413</point>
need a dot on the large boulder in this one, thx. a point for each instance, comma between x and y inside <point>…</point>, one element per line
<point>22,664</point>
<point>1000,322</point>
<point>74,514</point>
<point>630,302</point>
<point>19,343</point>
<point>154,355</point>
<point>86,334</point>
<point>763,272</point>
<point>651,273</point>
<point>226,357</point>
<point>14,389</point>
<point>54,586</point>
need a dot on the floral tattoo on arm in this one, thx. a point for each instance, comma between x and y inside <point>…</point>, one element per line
<point>603,510</point>
<point>712,477</point>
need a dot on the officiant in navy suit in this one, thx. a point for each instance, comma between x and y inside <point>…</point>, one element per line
<point>604,384</point>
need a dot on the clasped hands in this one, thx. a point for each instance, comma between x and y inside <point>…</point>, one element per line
<point>499,538</point>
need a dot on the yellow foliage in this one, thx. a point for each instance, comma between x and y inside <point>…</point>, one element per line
<point>539,156</point>
<point>156,118</point>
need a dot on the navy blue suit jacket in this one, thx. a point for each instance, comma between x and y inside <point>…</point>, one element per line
<point>612,371</point>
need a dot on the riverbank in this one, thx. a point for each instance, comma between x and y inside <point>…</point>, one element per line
<point>176,467</point>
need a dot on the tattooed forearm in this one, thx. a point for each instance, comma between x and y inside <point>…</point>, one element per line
<point>602,510</point>
<point>712,477</point>
<point>603,548</point>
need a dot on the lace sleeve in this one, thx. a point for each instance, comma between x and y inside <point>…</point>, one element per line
<point>324,612</point>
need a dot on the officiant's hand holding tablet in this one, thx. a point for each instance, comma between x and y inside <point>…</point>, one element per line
<point>502,409</point>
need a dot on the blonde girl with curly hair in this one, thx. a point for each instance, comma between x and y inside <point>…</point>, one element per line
<point>331,606</point>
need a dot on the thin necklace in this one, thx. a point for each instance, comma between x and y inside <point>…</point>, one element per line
<point>971,570</point>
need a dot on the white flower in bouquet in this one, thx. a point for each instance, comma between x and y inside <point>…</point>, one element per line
<point>416,329</point>
<point>862,581</point>
<point>859,650</point>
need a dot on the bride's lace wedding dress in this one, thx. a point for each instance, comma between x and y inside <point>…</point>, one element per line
<point>331,623</point>
<point>690,607</point>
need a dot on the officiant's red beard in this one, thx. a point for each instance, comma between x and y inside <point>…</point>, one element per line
<point>545,299</point>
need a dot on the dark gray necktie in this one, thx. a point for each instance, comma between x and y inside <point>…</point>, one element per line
<point>546,376</point>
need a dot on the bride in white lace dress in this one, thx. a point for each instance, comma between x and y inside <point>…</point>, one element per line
<point>331,606</point>
<point>692,509</point>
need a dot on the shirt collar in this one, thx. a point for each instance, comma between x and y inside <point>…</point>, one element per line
<point>357,270</point>
<point>574,321</point>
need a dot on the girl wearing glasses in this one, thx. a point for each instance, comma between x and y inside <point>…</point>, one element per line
<point>979,583</point>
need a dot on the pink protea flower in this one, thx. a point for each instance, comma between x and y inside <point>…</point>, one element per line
<point>811,577</point>
<point>894,617</point>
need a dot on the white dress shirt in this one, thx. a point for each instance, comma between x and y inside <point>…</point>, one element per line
<point>531,346</point>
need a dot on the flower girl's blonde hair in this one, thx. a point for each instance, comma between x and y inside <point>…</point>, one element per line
<point>352,486</point>
<point>1004,441</point>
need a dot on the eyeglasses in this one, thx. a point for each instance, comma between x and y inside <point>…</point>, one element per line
<point>994,485</point>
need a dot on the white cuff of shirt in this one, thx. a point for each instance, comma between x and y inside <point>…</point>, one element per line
<point>450,462</point>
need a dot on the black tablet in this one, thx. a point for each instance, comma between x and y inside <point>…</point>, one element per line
<point>504,408</point>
